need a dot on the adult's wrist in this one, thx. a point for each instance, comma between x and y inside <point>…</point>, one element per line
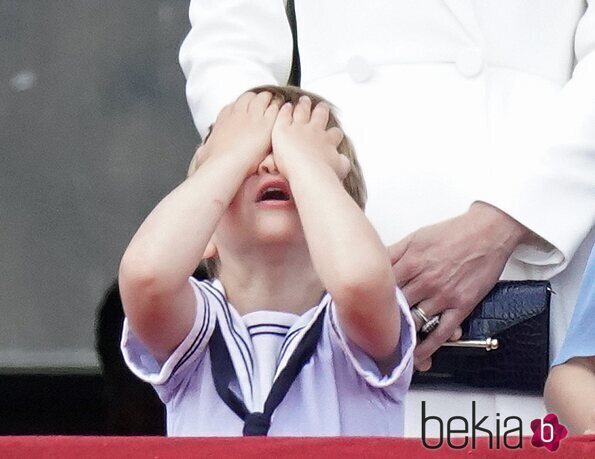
<point>507,231</point>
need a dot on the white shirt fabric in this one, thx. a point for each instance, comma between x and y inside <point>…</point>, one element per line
<point>338,392</point>
<point>268,331</point>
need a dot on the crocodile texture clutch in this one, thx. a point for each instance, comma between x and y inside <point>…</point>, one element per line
<point>505,342</point>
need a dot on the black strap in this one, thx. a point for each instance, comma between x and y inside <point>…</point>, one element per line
<point>295,75</point>
<point>258,424</point>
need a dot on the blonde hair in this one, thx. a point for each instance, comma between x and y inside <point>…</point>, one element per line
<point>354,182</point>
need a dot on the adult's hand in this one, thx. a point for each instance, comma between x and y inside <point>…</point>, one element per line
<point>449,267</point>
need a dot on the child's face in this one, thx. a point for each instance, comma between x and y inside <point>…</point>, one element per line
<point>261,215</point>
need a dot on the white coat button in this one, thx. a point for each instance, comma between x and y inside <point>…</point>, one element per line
<point>470,62</point>
<point>359,69</point>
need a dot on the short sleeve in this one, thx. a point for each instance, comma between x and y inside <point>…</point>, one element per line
<point>579,341</point>
<point>397,382</point>
<point>165,377</point>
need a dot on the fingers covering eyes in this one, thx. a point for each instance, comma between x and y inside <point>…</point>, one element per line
<point>243,101</point>
<point>260,102</point>
<point>284,117</point>
<point>344,166</point>
<point>320,115</point>
<point>335,134</point>
<point>273,109</point>
<point>301,112</point>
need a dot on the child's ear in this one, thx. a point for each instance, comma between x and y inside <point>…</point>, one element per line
<point>210,250</point>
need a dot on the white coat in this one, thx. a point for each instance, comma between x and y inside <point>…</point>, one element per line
<point>447,102</point>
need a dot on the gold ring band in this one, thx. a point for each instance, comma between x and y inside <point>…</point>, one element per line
<point>420,314</point>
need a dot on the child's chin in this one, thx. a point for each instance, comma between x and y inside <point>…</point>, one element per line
<point>280,230</point>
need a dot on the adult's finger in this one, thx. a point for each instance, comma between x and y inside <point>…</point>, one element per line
<point>416,290</point>
<point>458,333</point>
<point>428,307</point>
<point>405,266</point>
<point>423,365</point>
<point>406,269</point>
<point>449,321</point>
<point>397,250</point>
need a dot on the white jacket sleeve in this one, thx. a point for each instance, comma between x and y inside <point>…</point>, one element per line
<point>233,45</point>
<point>554,194</point>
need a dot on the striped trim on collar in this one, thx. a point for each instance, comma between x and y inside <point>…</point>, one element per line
<point>233,337</point>
<point>239,343</point>
<point>199,337</point>
<point>295,336</point>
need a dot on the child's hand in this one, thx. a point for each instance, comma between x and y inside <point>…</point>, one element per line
<point>243,129</point>
<point>300,133</point>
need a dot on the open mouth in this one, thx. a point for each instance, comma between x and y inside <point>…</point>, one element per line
<point>273,194</point>
<point>274,191</point>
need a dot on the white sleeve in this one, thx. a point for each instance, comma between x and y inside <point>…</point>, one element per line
<point>397,382</point>
<point>233,45</point>
<point>166,376</point>
<point>551,190</point>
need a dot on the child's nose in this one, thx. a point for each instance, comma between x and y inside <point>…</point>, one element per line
<point>267,165</point>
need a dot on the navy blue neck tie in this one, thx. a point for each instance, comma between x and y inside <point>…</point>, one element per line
<point>258,424</point>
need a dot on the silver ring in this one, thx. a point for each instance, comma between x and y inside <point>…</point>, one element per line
<point>430,325</point>
<point>420,314</point>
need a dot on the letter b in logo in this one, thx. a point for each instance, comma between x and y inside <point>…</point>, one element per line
<point>548,432</point>
<point>424,420</point>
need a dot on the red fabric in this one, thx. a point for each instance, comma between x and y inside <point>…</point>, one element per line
<point>163,448</point>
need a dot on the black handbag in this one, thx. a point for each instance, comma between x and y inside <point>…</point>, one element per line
<point>505,342</point>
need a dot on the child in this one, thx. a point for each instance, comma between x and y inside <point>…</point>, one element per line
<point>318,340</point>
<point>570,388</point>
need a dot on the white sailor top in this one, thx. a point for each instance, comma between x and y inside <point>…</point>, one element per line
<point>216,382</point>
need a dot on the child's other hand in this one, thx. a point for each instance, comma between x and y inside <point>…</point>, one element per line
<point>243,129</point>
<point>300,133</point>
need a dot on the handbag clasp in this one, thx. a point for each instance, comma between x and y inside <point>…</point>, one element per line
<point>489,344</point>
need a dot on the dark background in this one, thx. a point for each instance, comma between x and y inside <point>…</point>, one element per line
<point>94,130</point>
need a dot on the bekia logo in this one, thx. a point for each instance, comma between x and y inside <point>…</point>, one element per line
<point>460,431</point>
<point>548,432</point>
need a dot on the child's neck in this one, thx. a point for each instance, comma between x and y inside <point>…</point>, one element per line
<point>272,281</point>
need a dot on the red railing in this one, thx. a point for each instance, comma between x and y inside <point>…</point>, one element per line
<point>269,448</point>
